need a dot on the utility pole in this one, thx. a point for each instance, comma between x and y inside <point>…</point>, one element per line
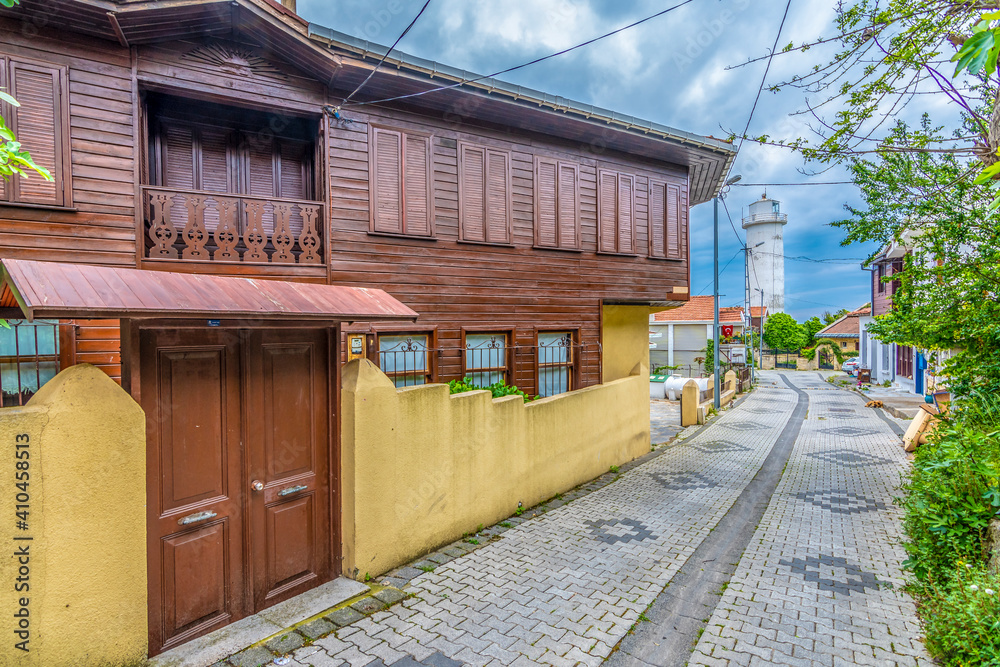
<point>715,293</point>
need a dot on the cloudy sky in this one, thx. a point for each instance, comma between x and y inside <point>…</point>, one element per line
<point>672,70</point>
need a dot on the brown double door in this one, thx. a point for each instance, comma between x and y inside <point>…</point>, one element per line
<point>238,451</point>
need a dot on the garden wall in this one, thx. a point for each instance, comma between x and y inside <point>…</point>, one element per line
<point>421,467</point>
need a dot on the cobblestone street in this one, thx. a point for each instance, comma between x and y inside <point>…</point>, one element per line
<point>818,583</point>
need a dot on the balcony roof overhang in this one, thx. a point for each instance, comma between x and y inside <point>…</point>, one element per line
<point>53,290</point>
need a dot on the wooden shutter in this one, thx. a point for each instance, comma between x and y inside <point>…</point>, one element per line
<point>657,219</point>
<point>178,156</point>
<point>498,196</point>
<point>626,213</point>
<point>607,210</point>
<point>417,178</point>
<point>386,177</point>
<point>472,194</point>
<point>260,161</point>
<point>569,205</point>
<point>214,160</point>
<point>38,124</point>
<point>546,207</point>
<point>293,169</point>
<point>673,223</point>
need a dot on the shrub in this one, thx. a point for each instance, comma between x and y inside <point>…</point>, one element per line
<point>498,389</point>
<point>952,493</point>
<point>962,617</point>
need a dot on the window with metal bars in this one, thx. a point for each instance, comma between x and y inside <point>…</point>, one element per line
<point>29,357</point>
<point>486,358</point>
<point>405,358</point>
<point>556,362</point>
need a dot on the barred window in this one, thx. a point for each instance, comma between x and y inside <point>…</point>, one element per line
<point>486,358</point>
<point>405,358</point>
<point>29,357</point>
<point>556,361</point>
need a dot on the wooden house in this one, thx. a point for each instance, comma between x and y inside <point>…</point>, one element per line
<point>511,233</point>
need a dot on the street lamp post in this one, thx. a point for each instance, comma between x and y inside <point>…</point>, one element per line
<point>715,330</point>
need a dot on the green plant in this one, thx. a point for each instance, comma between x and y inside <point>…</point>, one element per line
<point>962,617</point>
<point>506,524</point>
<point>781,332</point>
<point>951,494</point>
<point>472,540</point>
<point>614,468</point>
<point>498,389</point>
<point>710,356</point>
<point>426,568</point>
<point>14,161</point>
<point>661,370</point>
<point>519,511</point>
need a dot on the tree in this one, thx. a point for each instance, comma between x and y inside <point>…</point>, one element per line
<point>813,325</point>
<point>949,291</point>
<point>781,332</point>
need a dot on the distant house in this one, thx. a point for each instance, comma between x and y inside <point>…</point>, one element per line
<point>900,365</point>
<point>757,314</point>
<point>677,337</point>
<point>846,330</point>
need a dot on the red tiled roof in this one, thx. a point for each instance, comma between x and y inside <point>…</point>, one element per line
<point>755,311</point>
<point>863,310</point>
<point>700,309</point>
<point>846,327</point>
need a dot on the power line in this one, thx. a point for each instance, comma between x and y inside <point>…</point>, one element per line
<point>523,65</point>
<point>768,185</point>
<point>732,224</point>
<point>386,55</point>
<point>720,272</point>
<point>764,78</point>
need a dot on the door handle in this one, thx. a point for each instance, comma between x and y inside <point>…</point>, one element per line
<point>257,485</point>
<point>293,489</point>
<point>195,518</point>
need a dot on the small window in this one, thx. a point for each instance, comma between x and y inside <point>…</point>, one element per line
<point>557,204</point>
<point>616,212</point>
<point>844,345</point>
<point>667,220</point>
<point>405,358</point>
<point>401,193</point>
<point>880,279</point>
<point>775,207</point>
<point>486,358</point>
<point>29,357</point>
<point>897,268</point>
<point>484,196</point>
<point>41,126</point>
<point>556,359</point>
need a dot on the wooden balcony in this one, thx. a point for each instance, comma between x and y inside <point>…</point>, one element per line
<point>215,227</point>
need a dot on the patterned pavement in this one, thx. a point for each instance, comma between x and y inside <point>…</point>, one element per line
<point>820,581</point>
<point>565,587</point>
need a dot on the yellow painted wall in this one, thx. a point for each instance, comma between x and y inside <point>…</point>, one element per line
<point>87,556</point>
<point>420,468</point>
<point>625,341</point>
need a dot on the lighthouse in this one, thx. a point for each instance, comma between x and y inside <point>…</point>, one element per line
<point>766,253</point>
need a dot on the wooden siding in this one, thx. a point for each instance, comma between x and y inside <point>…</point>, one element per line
<point>102,228</point>
<point>455,283</point>
<point>495,277</point>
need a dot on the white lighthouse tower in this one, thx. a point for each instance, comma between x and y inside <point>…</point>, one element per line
<point>766,253</point>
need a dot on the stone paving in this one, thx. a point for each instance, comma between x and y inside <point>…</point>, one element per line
<point>820,582</point>
<point>564,588</point>
<point>664,420</point>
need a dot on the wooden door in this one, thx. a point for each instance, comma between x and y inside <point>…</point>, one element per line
<point>287,435</point>
<point>239,500</point>
<point>195,486</point>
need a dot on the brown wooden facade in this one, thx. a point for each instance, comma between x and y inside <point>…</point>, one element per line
<point>197,137</point>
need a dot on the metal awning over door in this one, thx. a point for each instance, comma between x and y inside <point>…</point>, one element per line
<point>54,290</point>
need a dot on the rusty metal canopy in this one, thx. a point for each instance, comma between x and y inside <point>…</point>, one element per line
<point>55,290</point>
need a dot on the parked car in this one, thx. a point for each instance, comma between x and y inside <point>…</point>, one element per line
<point>851,365</point>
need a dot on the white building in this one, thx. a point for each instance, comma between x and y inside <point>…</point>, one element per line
<point>766,253</point>
<point>679,336</point>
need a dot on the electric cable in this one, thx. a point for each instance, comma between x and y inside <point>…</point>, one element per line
<point>522,65</point>
<point>347,99</point>
<point>720,273</point>
<point>764,78</point>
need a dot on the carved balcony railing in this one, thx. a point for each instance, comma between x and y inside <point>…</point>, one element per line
<point>209,226</point>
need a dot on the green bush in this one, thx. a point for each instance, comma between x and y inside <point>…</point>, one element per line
<point>498,389</point>
<point>951,495</point>
<point>962,617</point>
